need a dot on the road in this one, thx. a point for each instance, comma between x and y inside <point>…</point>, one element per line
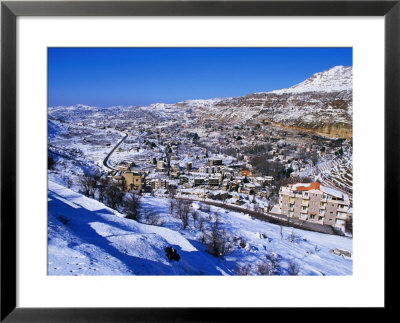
<point>105,161</point>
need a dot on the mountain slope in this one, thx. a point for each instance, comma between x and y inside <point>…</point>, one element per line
<point>322,104</point>
<point>336,79</point>
<point>87,238</point>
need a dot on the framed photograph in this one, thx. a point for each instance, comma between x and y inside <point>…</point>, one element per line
<point>186,160</point>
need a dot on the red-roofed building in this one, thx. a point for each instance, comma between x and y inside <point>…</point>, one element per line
<point>315,203</point>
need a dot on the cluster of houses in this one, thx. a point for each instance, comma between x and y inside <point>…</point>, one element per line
<point>182,156</point>
<point>311,202</point>
<point>214,176</point>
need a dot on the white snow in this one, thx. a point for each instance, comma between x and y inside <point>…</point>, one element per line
<point>87,238</point>
<point>338,78</point>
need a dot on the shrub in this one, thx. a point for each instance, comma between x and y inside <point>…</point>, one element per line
<point>293,268</point>
<point>242,270</point>
<point>151,218</point>
<point>273,259</point>
<point>264,269</point>
<point>293,237</point>
<point>270,266</point>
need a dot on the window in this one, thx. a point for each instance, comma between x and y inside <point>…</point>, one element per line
<point>312,216</point>
<point>319,218</point>
<point>304,208</point>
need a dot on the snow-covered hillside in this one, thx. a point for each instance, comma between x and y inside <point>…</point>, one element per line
<point>322,103</point>
<point>87,238</point>
<point>338,78</point>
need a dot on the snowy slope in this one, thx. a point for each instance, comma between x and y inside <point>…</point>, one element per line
<point>87,238</point>
<point>338,78</point>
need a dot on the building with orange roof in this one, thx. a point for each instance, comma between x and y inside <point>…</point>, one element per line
<point>316,203</point>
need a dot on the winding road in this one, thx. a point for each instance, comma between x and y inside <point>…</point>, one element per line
<point>105,161</point>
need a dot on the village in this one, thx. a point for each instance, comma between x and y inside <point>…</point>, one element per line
<point>253,166</point>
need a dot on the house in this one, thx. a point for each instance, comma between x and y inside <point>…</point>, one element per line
<point>198,181</point>
<point>133,180</point>
<point>214,162</point>
<point>155,183</point>
<point>125,166</point>
<point>314,202</point>
<point>160,164</point>
<point>213,181</point>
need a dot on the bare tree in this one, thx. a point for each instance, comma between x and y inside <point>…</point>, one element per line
<point>201,223</point>
<point>217,240</point>
<point>114,196</point>
<point>269,206</point>
<point>195,216</point>
<point>132,206</point>
<point>69,182</point>
<point>172,206</point>
<point>101,189</point>
<point>171,191</point>
<point>183,210</point>
<point>88,185</point>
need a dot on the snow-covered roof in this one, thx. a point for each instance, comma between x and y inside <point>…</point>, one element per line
<point>333,192</point>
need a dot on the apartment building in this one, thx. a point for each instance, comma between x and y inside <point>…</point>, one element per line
<point>133,181</point>
<point>215,162</point>
<point>316,203</point>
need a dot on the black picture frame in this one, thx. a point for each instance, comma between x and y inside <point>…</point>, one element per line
<point>10,10</point>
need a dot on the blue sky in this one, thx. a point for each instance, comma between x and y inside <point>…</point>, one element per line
<point>141,76</point>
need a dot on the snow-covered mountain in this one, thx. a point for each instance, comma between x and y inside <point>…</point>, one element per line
<point>323,104</point>
<point>336,79</point>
